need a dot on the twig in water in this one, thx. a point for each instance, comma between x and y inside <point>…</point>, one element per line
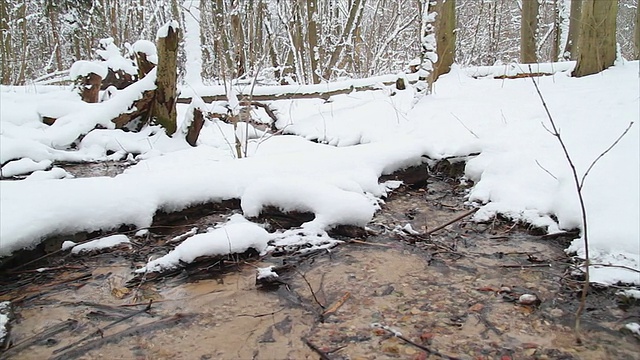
<point>333,308</point>
<point>458,218</point>
<point>323,355</point>
<point>525,265</point>
<point>313,293</point>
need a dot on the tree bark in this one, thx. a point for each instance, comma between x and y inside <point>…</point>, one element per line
<point>163,108</point>
<point>636,40</point>
<point>597,41</point>
<point>196,125</point>
<point>528,30</point>
<point>570,49</point>
<point>5,45</point>
<point>89,87</point>
<point>312,36</point>
<point>445,36</point>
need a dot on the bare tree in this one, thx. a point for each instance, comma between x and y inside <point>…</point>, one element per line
<point>528,31</point>
<point>597,39</point>
<point>445,36</point>
<point>574,30</point>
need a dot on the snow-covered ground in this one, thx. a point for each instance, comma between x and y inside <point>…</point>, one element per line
<point>521,171</point>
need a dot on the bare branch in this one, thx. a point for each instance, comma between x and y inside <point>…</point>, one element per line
<point>604,153</point>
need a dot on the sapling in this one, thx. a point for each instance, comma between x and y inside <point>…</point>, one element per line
<point>579,183</point>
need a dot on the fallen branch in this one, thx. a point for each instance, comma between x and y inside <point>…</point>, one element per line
<point>525,265</point>
<point>333,308</point>
<point>437,228</point>
<point>323,355</point>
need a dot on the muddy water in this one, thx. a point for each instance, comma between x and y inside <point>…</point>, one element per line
<point>453,293</point>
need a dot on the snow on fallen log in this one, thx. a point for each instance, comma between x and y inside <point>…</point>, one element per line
<point>236,236</point>
<point>113,113</point>
<point>96,245</point>
<point>516,70</point>
<point>265,93</point>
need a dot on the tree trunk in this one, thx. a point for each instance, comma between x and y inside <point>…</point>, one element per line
<point>557,20</point>
<point>312,36</point>
<point>636,39</point>
<point>240,60</point>
<point>445,36</point>
<point>352,21</point>
<point>163,108</point>
<point>528,30</point>
<point>570,49</point>
<point>597,41</point>
<point>194,128</point>
<point>5,45</point>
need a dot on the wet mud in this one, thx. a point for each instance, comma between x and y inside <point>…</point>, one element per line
<point>455,294</point>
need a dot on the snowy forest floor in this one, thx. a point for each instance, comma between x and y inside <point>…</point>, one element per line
<point>456,292</point>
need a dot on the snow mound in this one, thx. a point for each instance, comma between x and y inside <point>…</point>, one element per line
<point>236,236</point>
<point>100,244</point>
<point>331,205</point>
<point>83,68</point>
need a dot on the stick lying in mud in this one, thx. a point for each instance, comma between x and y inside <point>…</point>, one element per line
<point>333,308</point>
<point>323,355</point>
<point>440,227</point>
<point>114,338</point>
<point>399,336</point>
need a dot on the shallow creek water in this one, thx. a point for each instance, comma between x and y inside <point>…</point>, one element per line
<point>453,293</point>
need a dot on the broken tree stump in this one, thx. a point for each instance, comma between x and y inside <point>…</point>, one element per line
<point>142,108</point>
<point>88,77</point>
<point>163,107</point>
<point>194,128</point>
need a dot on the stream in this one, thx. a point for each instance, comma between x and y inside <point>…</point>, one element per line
<point>456,294</point>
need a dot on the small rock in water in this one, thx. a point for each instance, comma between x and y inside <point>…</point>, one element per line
<point>556,312</point>
<point>528,299</point>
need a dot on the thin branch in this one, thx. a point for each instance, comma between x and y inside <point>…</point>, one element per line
<point>585,288</point>
<point>313,293</point>
<point>545,170</point>
<point>604,153</point>
<point>465,126</point>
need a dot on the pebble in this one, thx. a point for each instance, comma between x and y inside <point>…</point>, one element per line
<point>556,312</point>
<point>528,299</point>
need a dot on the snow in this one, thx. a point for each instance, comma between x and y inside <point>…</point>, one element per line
<point>630,293</point>
<point>634,328</point>
<point>113,58</point>
<point>83,68</point>
<point>236,236</point>
<point>148,48</point>
<point>99,244</point>
<point>23,166</point>
<point>163,31</point>
<point>53,173</point>
<point>4,320</point>
<point>266,273</point>
<point>193,65</point>
<point>520,172</point>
